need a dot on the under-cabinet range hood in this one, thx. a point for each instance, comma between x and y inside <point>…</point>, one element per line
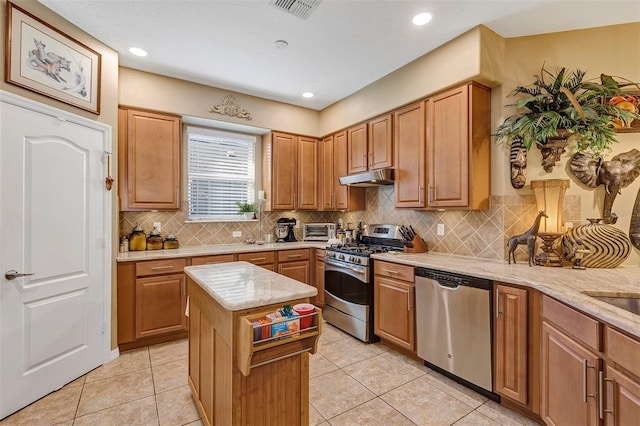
<point>370,178</point>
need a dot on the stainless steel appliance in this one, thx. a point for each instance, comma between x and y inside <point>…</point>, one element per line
<point>453,326</point>
<point>318,231</point>
<point>285,230</point>
<point>348,280</point>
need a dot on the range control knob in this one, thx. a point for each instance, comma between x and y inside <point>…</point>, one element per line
<point>341,257</point>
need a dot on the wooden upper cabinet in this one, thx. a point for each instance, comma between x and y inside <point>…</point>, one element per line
<point>409,155</point>
<point>290,172</point>
<point>149,160</point>
<point>307,196</point>
<point>380,142</point>
<point>325,164</point>
<point>357,149</point>
<point>333,164</point>
<point>458,141</point>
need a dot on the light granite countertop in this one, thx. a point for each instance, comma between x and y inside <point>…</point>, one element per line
<point>565,284</point>
<point>242,285</point>
<point>133,256</point>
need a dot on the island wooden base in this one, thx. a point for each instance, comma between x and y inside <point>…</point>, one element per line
<point>274,392</point>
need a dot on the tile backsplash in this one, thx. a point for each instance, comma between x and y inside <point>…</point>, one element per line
<point>474,233</point>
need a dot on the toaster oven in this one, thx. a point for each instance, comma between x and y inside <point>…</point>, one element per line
<point>318,231</point>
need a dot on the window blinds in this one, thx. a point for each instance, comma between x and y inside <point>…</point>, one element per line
<point>221,173</point>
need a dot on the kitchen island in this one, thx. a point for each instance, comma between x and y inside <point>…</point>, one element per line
<point>239,377</point>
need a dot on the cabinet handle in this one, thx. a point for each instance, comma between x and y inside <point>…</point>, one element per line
<point>497,302</point>
<point>294,200</point>
<point>364,159</point>
<point>184,289</point>
<point>601,381</point>
<point>409,299</point>
<point>370,159</point>
<point>293,256</point>
<point>155,268</point>
<point>391,271</point>
<point>430,191</point>
<point>585,395</point>
<point>420,191</point>
<point>258,258</point>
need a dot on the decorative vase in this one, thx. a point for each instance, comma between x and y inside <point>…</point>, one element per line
<point>608,246</point>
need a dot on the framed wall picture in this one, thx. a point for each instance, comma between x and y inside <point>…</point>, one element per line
<point>45,60</point>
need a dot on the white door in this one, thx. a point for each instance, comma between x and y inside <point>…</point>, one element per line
<point>54,224</point>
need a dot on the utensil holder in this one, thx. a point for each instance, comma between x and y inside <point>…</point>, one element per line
<point>419,246</point>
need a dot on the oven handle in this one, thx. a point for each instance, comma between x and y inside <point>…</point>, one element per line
<point>342,265</point>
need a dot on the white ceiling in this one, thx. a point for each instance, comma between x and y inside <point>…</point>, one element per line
<point>342,47</point>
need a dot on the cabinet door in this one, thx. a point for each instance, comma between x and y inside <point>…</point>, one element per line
<point>448,148</point>
<point>296,270</point>
<point>209,260</point>
<point>511,343</point>
<point>394,313</point>
<point>318,280</point>
<point>569,374</point>
<point>160,305</point>
<point>341,197</point>
<point>380,136</point>
<point>357,149</point>
<point>307,198</point>
<point>409,155</point>
<point>283,171</point>
<point>622,396</point>
<point>325,162</point>
<point>150,145</point>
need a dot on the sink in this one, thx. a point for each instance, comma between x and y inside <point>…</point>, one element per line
<point>629,302</point>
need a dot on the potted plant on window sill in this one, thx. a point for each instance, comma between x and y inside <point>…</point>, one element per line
<point>248,210</point>
<point>560,106</point>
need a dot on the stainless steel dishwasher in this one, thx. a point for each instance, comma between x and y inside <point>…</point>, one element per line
<point>453,326</point>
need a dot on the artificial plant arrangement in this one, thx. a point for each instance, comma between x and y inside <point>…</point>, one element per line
<point>246,208</point>
<point>561,105</point>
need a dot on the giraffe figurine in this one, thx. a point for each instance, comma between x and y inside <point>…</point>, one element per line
<point>528,237</point>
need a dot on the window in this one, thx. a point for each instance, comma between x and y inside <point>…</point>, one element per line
<point>221,168</point>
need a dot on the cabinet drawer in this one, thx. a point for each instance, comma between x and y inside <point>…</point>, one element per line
<point>259,258</point>
<point>208,260</point>
<point>393,270</point>
<point>156,267</point>
<point>578,325</point>
<point>291,255</point>
<point>622,350</point>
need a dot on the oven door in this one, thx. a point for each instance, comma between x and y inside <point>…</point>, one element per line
<point>348,283</point>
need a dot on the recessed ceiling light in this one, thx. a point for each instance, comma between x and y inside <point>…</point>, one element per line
<point>281,44</point>
<point>422,18</point>
<point>137,51</point>
<point>307,95</point>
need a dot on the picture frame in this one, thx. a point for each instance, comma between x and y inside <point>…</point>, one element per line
<point>45,60</point>
<point>630,99</point>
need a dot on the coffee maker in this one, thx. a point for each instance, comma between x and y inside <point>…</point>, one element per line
<point>284,230</point>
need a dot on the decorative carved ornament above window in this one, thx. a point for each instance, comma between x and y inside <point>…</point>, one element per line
<point>231,108</point>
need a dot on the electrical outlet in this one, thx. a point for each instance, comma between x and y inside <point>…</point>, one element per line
<point>157,225</point>
<point>440,230</point>
<point>237,234</point>
<point>297,224</point>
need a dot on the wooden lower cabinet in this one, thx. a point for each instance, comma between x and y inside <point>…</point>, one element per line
<point>318,277</point>
<point>160,305</point>
<point>510,337</point>
<point>569,380</point>
<point>151,302</point>
<point>621,399</point>
<point>394,315</point>
<point>209,260</point>
<point>295,264</point>
<point>265,259</point>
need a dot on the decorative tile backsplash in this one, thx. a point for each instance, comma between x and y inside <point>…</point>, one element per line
<point>475,233</point>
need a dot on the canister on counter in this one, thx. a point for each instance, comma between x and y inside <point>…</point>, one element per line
<point>154,240</point>
<point>137,239</point>
<point>171,242</point>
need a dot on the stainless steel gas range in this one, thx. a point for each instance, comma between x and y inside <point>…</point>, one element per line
<point>348,280</point>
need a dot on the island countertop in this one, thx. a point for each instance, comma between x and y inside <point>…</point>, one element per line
<point>242,285</point>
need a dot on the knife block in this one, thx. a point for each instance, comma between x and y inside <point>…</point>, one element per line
<point>419,246</point>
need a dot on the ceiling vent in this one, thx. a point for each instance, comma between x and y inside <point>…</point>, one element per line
<point>300,8</point>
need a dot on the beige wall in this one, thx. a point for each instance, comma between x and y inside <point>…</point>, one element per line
<point>108,103</point>
<point>152,91</point>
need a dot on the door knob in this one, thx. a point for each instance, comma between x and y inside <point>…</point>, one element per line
<point>13,274</point>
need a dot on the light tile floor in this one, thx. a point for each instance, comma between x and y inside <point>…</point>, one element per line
<point>351,383</point>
